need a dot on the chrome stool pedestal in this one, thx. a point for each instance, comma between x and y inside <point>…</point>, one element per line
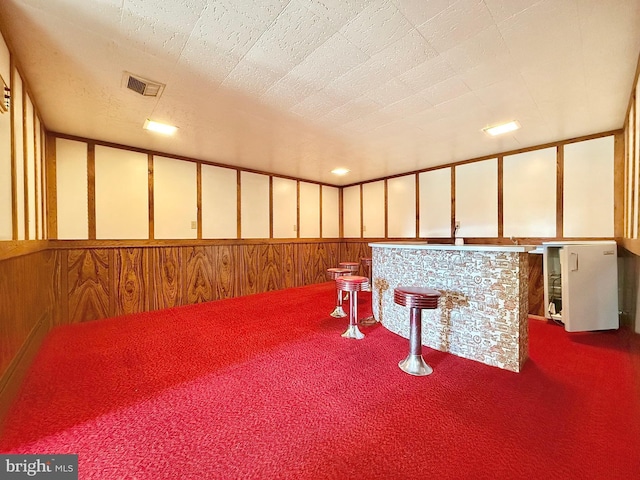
<point>417,299</point>
<point>352,284</point>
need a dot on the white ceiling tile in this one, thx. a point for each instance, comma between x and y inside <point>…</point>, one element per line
<point>164,30</point>
<point>419,11</point>
<point>252,79</point>
<point>461,21</point>
<point>483,47</point>
<point>316,105</point>
<point>501,9</point>
<point>329,61</point>
<point>336,12</point>
<point>404,54</point>
<point>428,73</point>
<point>445,91</point>
<point>293,35</point>
<point>391,92</point>
<point>270,85</point>
<point>376,27</point>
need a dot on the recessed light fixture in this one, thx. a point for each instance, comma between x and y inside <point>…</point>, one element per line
<point>340,171</point>
<point>159,127</point>
<point>500,129</point>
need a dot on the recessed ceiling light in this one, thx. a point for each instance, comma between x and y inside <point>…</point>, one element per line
<point>159,127</point>
<point>340,171</point>
<point>500,129</point>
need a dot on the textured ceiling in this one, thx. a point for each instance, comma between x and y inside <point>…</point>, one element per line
<point>299,87</point>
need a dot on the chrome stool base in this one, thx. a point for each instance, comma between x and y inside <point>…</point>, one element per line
<point>415,365</point>
<point>353,332</point>
<point>338,312</point>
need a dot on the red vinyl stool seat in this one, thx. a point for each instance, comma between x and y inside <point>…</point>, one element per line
<point>332,274</point>
<point>417,299</point>
<point>353,284</point>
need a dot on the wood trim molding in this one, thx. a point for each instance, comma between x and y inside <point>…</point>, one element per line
<point>52,187</point>
<point>91,190</point>
<point>618,184</point>
<point>559,191</point>
<point>500,196</point>
<point>150,199</point>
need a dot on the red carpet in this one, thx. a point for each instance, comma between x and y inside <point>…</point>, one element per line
<point>264,387</point>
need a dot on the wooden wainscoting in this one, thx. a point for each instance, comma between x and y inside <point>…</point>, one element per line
<point>107,282</point>
<point>29,285</point>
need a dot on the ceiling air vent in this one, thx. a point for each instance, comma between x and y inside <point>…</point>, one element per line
<point>141,85</point>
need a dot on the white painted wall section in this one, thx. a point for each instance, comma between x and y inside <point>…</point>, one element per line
<point>477,198</point>
<point>309,210</point>
<point>219,202</point>
<point>435,203</point>
<point>72,190</point>
<point>373,209</point>
<point>175,198</point>
<point>254,205</point>
<point>401,207</point>
<point>330,212</point>
<point>285,208</point>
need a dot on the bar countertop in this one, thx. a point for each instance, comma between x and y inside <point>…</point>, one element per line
<point>443,246</point>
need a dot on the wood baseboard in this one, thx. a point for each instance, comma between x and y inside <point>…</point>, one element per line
<point>11,380</point>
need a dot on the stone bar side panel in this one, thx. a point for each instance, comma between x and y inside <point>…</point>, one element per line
<point>482,314</point>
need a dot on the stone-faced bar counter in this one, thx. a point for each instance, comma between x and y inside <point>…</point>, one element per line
<point>483,310</point>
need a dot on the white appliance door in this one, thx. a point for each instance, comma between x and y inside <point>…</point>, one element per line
<point>589,287</point>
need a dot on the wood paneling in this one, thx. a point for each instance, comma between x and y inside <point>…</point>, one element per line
<point>225,266</point>
<point>536,285</point>
<point>28,284</point>
<point>165,277</point>
<point>271,267</point>
<point>130,267</point>
<point>88,284</point>
<point>248,278</point>
<point>199,274</point>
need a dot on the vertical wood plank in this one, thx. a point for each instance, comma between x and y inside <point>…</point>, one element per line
<point>559,191</point>
<point>417,205</point>
<point>25,162</point>
<point>226,260</point>
<point>152,229</point>
<point>199,275</point>
<point>14,173</point>
<point>88,284</point>
<point>453,201</point>
<point>248,276</point>
<point>131,284</point>
<point>199,200</point>
<point>619,185</point>
<point>166,279</point>
<point>52,187</point>
<point>288,266</point>
<point>91,189</point>
<point>270,267</point>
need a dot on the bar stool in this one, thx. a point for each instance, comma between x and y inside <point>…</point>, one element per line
<point>416,298</point>
<point>353,267</point>
<point>367,262</point>
<point>352,284</point>
<point>333,273</point>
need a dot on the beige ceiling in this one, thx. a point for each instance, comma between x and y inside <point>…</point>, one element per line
<point>299,87</point>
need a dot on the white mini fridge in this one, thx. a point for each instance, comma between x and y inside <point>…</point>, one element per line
<point>581,284</point>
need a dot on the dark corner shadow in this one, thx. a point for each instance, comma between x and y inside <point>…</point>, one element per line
<point>623,339</point>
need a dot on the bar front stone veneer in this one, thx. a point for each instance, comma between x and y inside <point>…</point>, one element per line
<point>483,310</point>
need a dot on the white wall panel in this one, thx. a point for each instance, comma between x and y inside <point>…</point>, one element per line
<point>435,203</point>
<point>219,202</point>
<point>254,205</point>
<point>71,190</point>
<point>351,212</point>
<point>330,212</point>
<point>309,210</point>
<point>175,198</point>
<point>16,101</point>
<point>373,209</point>
<point>529,194</point>
<point>31,169</point>
<point>285,208</point>
<point>477,198</point>
<point>588,188</point>
<point>6,209</point>
<point>122,194</point>
<point>401,206</point>
<point>633,177</point>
